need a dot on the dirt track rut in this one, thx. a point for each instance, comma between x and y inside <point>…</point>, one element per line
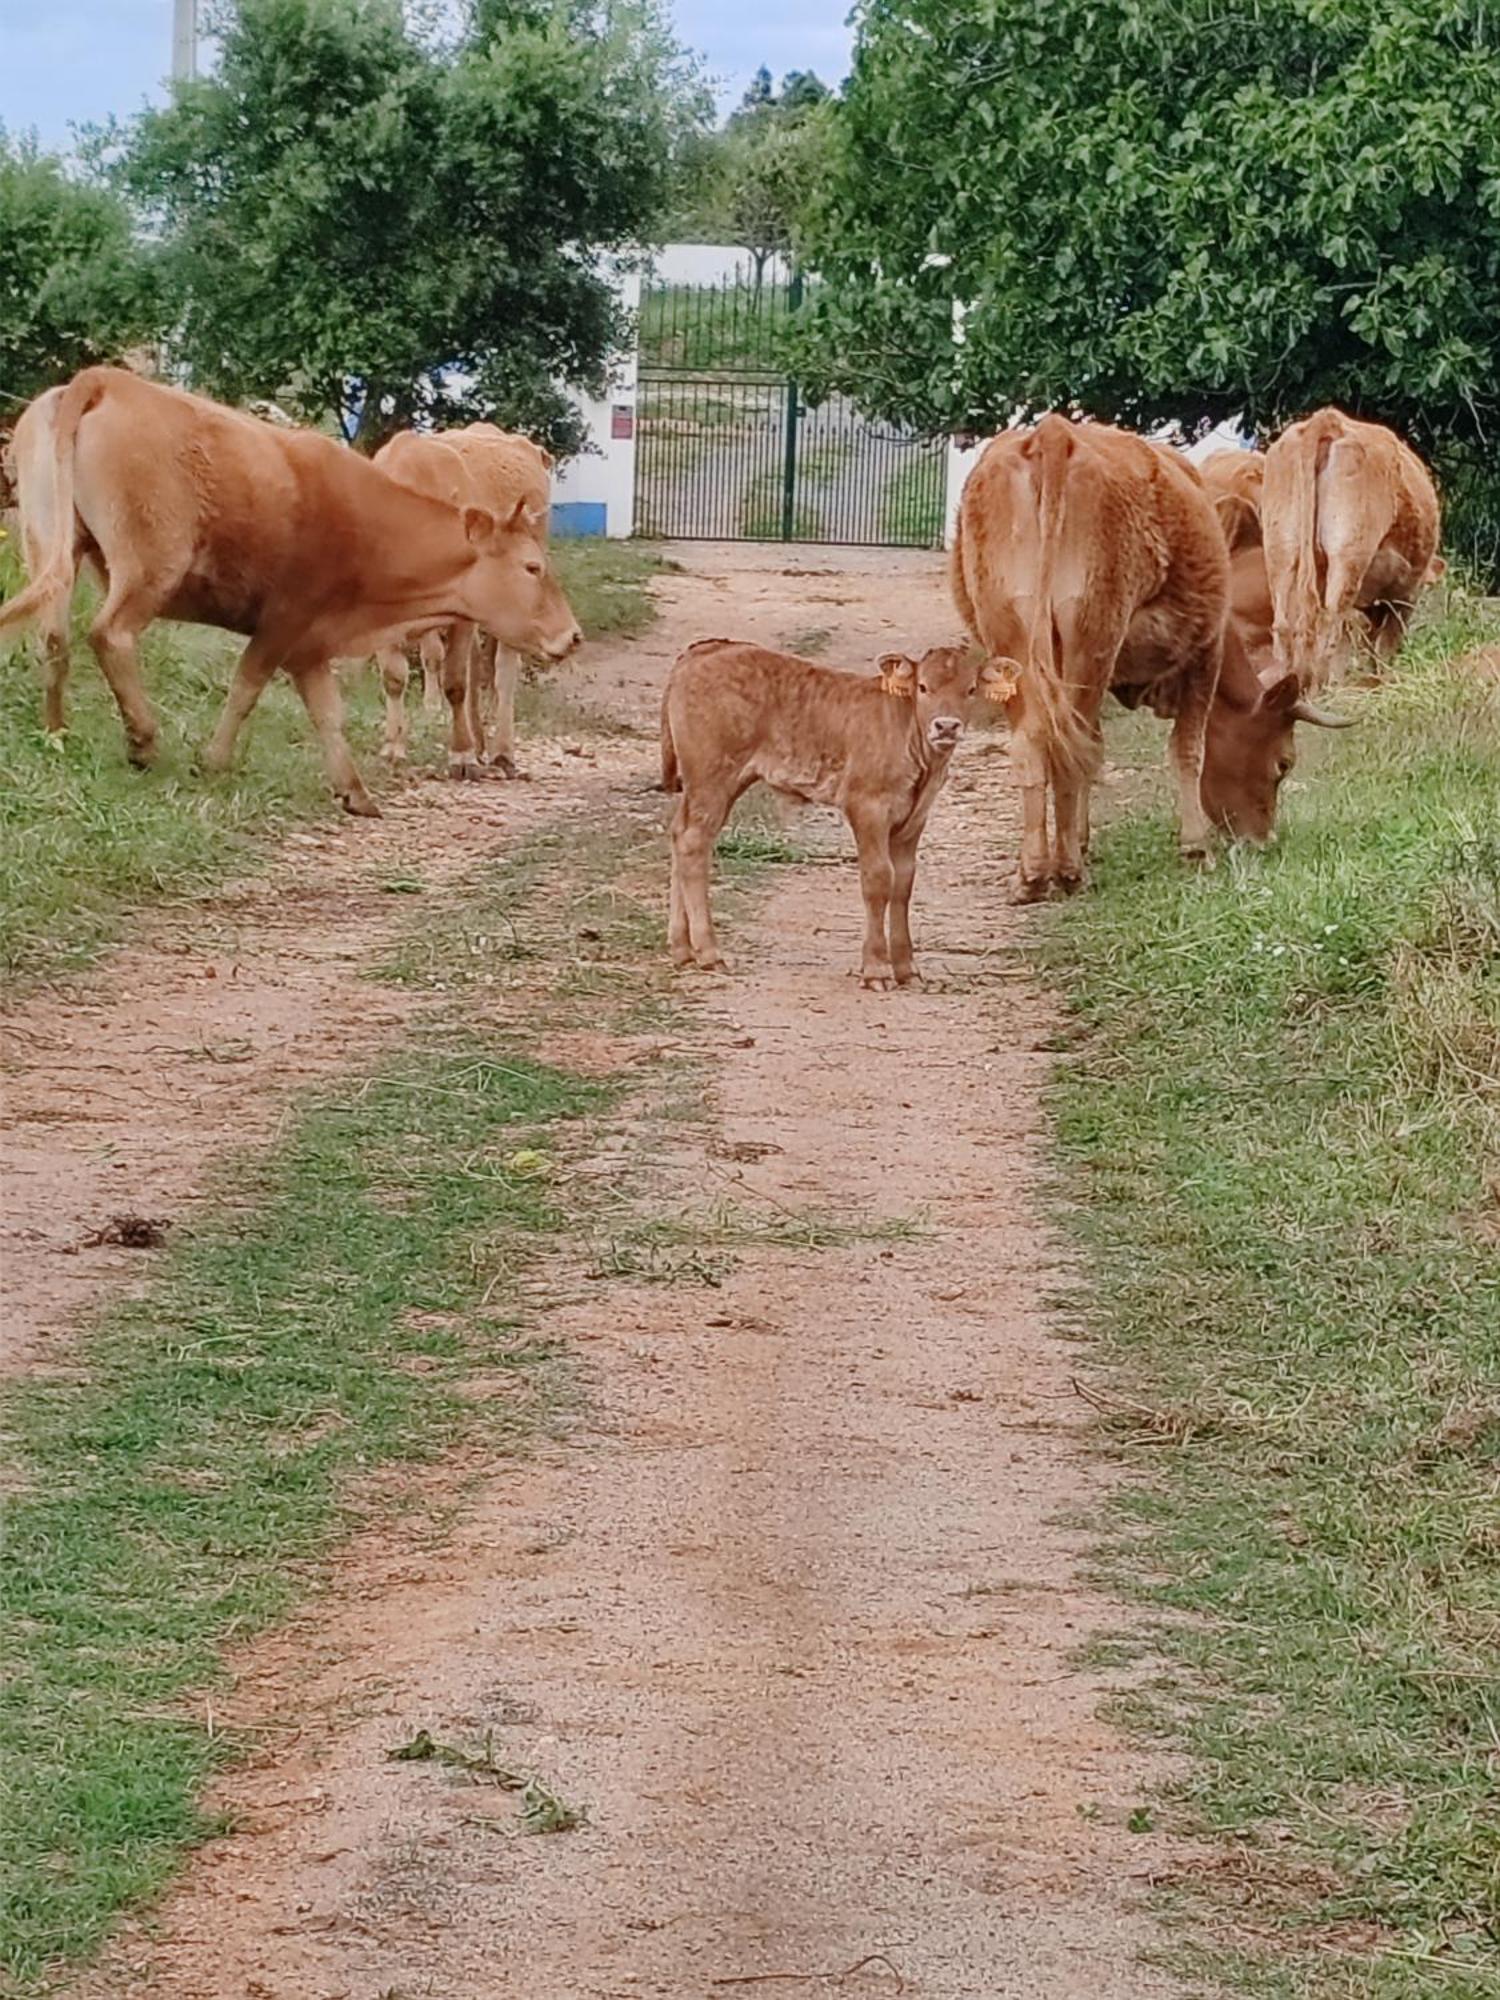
<point>795,1612</point>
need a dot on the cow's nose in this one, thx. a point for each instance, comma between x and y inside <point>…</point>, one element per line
<point>946,728</point>
<point>575,639</point>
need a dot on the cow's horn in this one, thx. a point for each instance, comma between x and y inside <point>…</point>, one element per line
<point>1306,711</point>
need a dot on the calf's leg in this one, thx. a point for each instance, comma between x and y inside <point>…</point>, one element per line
<point>318,686</point>
<point>395,672</point>
<point>695,828</point>
<point>1189,733</point>
<point>903,875</point>
<point>877,878</point>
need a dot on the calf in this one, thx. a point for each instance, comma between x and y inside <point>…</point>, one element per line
<point>192,511</point>
<point>877,747</point>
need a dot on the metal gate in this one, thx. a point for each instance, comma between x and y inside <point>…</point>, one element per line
<point>726,449</point>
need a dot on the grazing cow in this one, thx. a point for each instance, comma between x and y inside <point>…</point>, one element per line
<point>479,466</point>
<point>1351,519</point>
<point>1249,745</point>
<point>196,512</point>
<point>1095,560</point>
<point>875,746</point>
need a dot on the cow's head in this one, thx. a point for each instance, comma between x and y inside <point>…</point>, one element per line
<point>941,686</point>
<point>1249,751</point>
<point>510,585</point>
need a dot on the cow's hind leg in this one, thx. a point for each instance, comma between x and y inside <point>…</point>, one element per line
<point>1032,767</point>
<point>395,672</point>
<point>463,749</point>
<point>318,686</point>
<point>679,933</point>
<point>430,653</point>
<point>122,618</point>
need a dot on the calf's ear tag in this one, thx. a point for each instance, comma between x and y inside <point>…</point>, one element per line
<point>898,674</point>
<point>999,679</point>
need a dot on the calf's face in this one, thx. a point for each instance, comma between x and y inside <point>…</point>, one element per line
<point>512,589</point>
<point>941,686</point>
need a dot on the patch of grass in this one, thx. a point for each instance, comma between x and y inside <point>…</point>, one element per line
<point>815,639</point>
<point>175,1498</point>
<point>762,516</point>
<point>607,583</point>
<point>1279,1131</point>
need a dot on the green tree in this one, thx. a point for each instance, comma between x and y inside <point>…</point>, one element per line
<point>76,286</point>
<point>752,181</point>
<point>380,227</point>
<point>1166,209</point>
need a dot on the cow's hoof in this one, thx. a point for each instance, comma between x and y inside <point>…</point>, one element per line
<point>1031,888</point>
<point>712,963</point>
<point>142,753</point>
<point>393,753</point>
<point>1067,885</point>
<point>682,957</point>
<point>506,767</point>
<point>465,766</point>
<point>360,804</point>
<point>907,975</point>
<point>877,982</point>
<point>1200,857</point>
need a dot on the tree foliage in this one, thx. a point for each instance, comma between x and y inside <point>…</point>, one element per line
<point>1170,209</point>
<point>374,225</point>
<point>753,181</point>
<point>75,285</point>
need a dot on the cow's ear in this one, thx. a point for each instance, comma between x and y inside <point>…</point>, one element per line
<point>1281,692</point>
<point>479,525</point>
<point>898,674</point>
<point>998,680</point>
<point>518,520</point>
<point>548,461</point>
<point>534,521</point>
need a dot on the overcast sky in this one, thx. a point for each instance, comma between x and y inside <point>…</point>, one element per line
<point>67,62</point>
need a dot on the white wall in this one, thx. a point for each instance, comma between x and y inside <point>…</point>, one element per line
<point>711,264</point>
<point>594,493</point>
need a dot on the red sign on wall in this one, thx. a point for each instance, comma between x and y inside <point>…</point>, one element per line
<point>622,421</point>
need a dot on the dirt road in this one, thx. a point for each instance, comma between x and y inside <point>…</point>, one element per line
<point>794,1612</point>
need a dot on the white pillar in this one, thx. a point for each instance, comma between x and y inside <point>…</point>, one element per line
<point>594,493</point>
<point>184,38</point>
<point>962,458</point>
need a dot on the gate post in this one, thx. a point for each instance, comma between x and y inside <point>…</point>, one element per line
<point>789,462</point>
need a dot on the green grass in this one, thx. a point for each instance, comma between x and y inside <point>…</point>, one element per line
<point>178,1496</point>
<point>87,839</point>
<point>1278,1127</point>
<point>761,516</point>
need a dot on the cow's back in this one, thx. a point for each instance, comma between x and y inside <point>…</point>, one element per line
<point>504,468</point>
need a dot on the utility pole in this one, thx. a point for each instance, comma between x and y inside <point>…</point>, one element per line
<point>184,38</point>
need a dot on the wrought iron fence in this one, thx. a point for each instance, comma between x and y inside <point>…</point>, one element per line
<point>728,450</point>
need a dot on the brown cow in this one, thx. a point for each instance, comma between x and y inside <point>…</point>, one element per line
<point>480,466</point>
<point>196,512</point>
<point>1094,559</point>
<point>877,747</point>
<point>1121,581</point>
<point>1351,522</point>
<point>1234,480</point>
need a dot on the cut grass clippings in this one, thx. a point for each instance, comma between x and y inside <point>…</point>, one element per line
<point>1279,1132</point>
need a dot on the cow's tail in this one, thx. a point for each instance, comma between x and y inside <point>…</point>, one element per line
<point>1072,745</point>
<point>671,776</point>
<point>50,591</point>
<point>958,583</point>
<point>1305,605</point>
